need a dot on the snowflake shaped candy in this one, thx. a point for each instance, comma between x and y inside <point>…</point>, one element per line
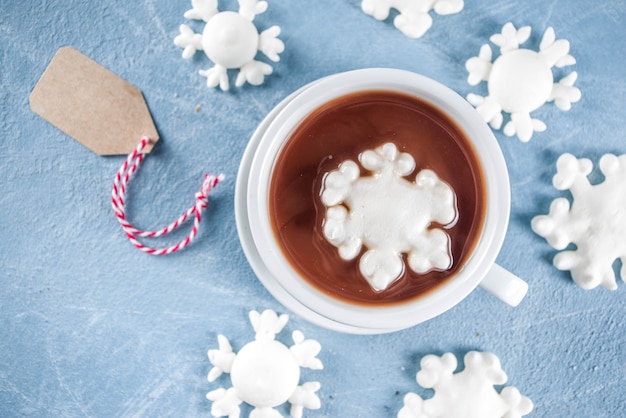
<point>265,373</point>
<point>231,41</point>
<point>413,19</point>
<point>467,394</point>
<point>595,222</point>
<point>520,80</point>
<point>389,215</point>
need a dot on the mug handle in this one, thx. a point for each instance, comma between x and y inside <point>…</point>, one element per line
<point>504,285</point>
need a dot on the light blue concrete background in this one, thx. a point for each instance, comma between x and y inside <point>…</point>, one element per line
<point>91,327</point>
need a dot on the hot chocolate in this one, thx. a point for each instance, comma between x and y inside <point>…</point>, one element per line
<point>342,129</point>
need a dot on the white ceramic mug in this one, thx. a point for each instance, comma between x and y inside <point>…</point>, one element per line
<point>285,284</point>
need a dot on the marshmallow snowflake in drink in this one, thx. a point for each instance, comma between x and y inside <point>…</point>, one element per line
<point>388,215</point>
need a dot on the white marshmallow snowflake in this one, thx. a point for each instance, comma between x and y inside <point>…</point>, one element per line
<point>520,80</point>
<point>413,20</point>
<point>388,215</point>
<point>231,41</point>
<point>265,373</point>
<point>467,394</point>
<point>595,223</point>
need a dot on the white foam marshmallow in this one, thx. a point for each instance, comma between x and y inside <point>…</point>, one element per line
<point>389,215</point>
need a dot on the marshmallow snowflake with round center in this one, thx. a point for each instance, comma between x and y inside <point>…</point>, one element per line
<point>231,41</point>
<point>389,215</point>
<point>520,80</point>
<point>413,19</point>
<point>265,373</point>
<point>467,394</point>
<point>595,222</point>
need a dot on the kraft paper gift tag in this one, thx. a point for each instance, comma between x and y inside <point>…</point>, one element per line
<point>93,105</point>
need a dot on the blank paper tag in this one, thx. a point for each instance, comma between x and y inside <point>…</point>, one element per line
<point>92,105</point>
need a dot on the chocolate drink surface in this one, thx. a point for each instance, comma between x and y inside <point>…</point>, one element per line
<point>341,130</point>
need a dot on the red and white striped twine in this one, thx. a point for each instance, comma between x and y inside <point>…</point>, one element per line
<point>118,194</point>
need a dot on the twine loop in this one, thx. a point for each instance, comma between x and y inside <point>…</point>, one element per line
<point>118,195</point>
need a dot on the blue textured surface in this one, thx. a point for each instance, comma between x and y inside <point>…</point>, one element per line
<point>89,326</point>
